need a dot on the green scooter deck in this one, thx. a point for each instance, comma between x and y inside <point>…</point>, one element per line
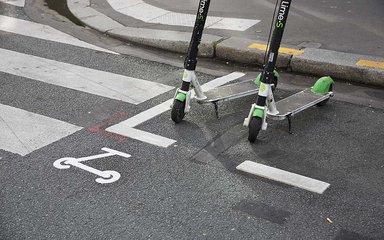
<point>230,91</point>
<point>298,102</point>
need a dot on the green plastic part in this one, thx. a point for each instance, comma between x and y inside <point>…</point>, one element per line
<point>258,78</point>
<point>258,113</point>
<point>323,85</point>
<point>276,74</point>
<point>181,97</point>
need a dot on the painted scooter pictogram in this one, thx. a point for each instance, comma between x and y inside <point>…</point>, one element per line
<point>106,176</point>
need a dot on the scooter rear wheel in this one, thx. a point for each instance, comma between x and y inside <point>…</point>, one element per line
<point>178,113</point>
<point>254,128</point>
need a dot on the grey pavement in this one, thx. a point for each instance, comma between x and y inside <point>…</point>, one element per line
<point>359,68</point>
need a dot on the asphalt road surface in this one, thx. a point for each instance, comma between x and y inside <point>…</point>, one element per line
<point>57,100</point>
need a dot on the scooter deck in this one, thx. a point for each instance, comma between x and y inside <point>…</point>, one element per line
<point>230,91</point>
<point>298,102</point>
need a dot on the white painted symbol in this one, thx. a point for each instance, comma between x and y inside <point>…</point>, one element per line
<point>107,176</point>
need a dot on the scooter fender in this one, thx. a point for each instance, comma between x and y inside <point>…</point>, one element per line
<point>254,113</point>
<point>323,85</point>
<point>248,119</point>
<point>179,95</point>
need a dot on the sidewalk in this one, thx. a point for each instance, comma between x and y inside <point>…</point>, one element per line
<point>313,61</point>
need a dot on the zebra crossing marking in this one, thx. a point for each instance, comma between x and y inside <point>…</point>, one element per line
<point>18,3</point>
<point>105,84</point>
<point>23,132</point>
<point>45,32</point>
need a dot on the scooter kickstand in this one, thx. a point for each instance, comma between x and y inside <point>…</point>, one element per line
<point>216,109</point>
<point>289,117</point>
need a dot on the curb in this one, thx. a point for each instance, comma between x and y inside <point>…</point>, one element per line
<point>166,40</point>
<point>237,50</point>
<point>174,41</point>
<point>339,65</point>
<point>319,62</point>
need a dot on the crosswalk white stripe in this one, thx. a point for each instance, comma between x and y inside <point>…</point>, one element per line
<point>22,132</point>
<point>19,3</point>
<point>286,177</point>
<point>110,85</point>
<point>140,10</point>
<point>37,30</point>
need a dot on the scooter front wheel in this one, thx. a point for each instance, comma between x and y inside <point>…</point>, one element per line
<point>178,111</point>
<point>254,128</point>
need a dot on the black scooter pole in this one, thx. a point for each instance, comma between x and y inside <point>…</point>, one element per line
<point>257,114</point>
<point>191,61</point>
<point>183,96</point>
<point>273,48</point>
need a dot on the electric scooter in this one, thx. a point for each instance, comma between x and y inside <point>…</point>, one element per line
<point>265,106</point>
<point>264,85</point>
<point>183,96</point>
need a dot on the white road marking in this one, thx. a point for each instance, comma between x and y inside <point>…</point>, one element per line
<point>126,128</point>
<point>286,177</point>
<point>144,116</point>
<point>23,132</point>
<point>110,85</point>
<point>19,3</point>
<point>37,30</point>
<point>147,13</point>
<point>221,81</point>
<point>106,176</point>
<point>146,137</point>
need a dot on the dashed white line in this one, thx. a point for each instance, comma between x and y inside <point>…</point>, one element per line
<point>286,177</point>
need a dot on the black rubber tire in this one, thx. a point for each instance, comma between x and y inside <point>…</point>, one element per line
<point>323,103</point>
<point>177,113</point>
<point>254,128</point>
